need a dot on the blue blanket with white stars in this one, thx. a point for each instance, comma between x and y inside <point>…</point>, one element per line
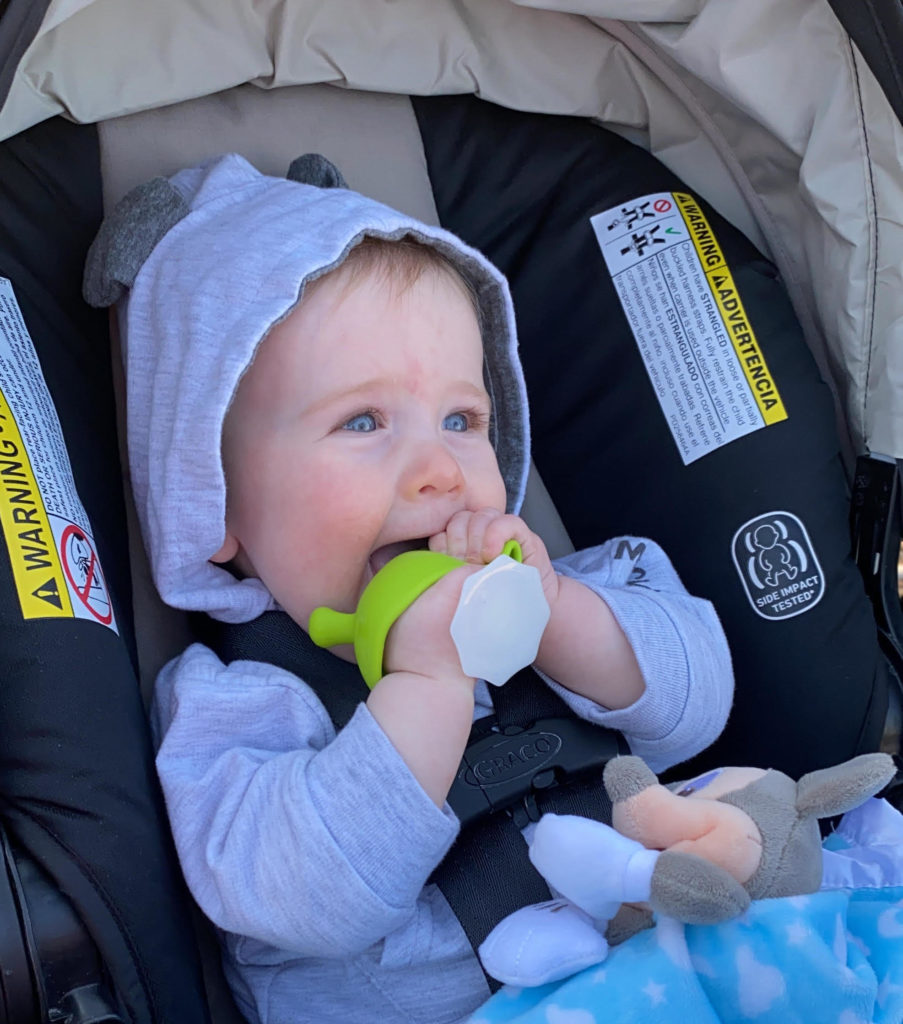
<point>835,957</point>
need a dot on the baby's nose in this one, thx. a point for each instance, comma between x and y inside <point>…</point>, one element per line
<point>433,471</point>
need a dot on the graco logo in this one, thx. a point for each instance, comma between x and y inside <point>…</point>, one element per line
<point>512,758</point>
<point>778,566</point>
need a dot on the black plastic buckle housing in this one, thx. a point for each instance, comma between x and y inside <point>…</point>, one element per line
<point>505,770</point>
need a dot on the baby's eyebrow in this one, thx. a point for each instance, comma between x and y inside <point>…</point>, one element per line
<point>471,389</point>
<point>368,388</point>
<point>332,397</point>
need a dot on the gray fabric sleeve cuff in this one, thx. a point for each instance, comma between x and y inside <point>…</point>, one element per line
<point>681,651</point>
<point>650,723</point>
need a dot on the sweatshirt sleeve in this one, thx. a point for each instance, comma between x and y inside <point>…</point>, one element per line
<point>678,642</point>
<point>312,841</point>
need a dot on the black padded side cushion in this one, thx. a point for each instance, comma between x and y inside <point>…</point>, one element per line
<point>78,790</point>
<point>811,688</point>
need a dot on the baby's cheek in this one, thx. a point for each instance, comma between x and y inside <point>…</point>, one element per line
<point>499,494</point>
<point>334,504</point>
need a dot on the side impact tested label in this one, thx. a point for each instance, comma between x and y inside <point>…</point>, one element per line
<point>54,560</point>
<point>694,336</point>
<point>777,565</point>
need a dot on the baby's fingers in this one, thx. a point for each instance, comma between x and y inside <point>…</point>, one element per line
<point>457,531</point>
<point>480,536</point>
<point>488,537</point>
<point>459,539</point>
<point>439,542</point>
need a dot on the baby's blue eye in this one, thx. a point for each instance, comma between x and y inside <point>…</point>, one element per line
<point>363,423</point>
<point>456,421</point>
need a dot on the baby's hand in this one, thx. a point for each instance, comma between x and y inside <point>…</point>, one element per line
<point>420,640</point>
<point>424,703</point>
<point>478,538</point>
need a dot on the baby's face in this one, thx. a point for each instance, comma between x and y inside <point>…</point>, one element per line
<point>359,430</point>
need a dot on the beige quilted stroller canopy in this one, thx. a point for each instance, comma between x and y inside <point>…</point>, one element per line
<point>767,109</point>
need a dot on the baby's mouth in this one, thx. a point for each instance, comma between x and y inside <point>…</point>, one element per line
<point>387,552</point>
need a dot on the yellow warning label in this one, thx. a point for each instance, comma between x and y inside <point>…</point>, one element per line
<point>35,561</point>
<point>733,314</point>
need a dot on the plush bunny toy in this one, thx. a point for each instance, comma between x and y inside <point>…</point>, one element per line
<point>697,851</point>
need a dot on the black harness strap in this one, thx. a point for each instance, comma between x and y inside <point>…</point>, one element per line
<point>487,874</point>
<point>276,639</point>
<point>532,756</point>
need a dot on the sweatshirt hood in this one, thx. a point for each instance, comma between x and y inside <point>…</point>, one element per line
<point>201,266</point>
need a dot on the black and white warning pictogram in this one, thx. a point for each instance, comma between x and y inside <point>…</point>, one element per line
<point>778,566</point>
<point>630,215</point>
<point>641,240</point>
<point>82,569</point>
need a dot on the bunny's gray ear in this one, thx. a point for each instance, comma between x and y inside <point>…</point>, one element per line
<point>126,238</point>
<point>842,787</point>
<point>315,169</point>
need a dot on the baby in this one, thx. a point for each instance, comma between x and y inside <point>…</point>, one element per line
<point>317,383</point>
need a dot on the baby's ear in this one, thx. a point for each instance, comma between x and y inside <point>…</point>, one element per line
<point>228,550</point>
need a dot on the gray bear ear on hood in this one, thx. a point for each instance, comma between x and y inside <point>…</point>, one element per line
<point>315,169</point>
<point>127,237</point>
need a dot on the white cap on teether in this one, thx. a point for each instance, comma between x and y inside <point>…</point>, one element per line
<point>500,620</point>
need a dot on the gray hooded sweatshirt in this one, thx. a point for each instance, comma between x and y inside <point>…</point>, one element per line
<point>308,849</point>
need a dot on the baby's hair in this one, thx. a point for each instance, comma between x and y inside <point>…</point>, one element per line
<point>400,263</point>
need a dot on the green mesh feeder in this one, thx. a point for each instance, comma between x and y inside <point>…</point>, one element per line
<point>390,593</point>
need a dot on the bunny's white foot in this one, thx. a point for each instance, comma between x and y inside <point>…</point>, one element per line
<point>591,864</point>
<point>541,943</point>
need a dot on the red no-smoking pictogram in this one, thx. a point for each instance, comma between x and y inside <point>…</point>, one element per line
<point>662,205</point>
<point>83,572</point>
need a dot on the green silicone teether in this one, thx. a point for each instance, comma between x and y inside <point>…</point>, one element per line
<point>391,591</point>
